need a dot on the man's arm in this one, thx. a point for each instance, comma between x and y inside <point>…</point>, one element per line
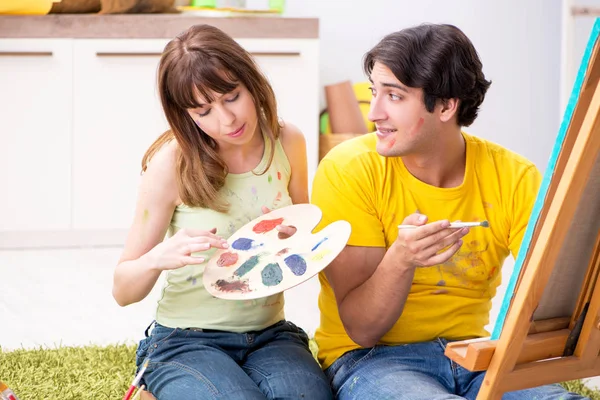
<point>294,145</point>
<point>371,285</point>
<point>368,305</point>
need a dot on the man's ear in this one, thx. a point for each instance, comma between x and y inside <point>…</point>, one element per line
<point>449,108</point>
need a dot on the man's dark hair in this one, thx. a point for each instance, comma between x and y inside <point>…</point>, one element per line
<point>441,60</point>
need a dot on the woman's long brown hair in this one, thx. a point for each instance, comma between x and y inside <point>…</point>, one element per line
<point>203,60</point>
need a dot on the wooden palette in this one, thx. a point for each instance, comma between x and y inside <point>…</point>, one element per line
<point>260,263</point>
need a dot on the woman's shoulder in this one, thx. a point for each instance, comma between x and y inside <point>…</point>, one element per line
<point>290,135</point>
<point>165,157</point>
<point>161,170</point>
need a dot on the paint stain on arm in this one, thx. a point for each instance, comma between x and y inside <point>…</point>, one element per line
<point>145,216</point>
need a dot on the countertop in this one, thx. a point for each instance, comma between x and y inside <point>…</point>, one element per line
<point>147,26</point>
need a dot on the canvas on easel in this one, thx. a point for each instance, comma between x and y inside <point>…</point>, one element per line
<point>548,329</point>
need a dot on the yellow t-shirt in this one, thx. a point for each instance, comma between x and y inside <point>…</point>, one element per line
<point>375,193</point>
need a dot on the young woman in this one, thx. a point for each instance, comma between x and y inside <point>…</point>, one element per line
<point>225,161</point>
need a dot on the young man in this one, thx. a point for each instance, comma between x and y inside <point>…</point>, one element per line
<point>394,297</point>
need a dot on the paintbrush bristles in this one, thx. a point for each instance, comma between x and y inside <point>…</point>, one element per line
<point>456,225</point>
<point>483,224</point>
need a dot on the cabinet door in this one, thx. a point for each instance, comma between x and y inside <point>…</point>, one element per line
<point>117,115</point>
<point>35,134</point>
<point>292,67</point>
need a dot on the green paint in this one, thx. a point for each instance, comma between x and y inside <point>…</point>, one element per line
<point>272,275</point>
<point>146,216</point>
<point>247,266</point>
<point>270,179</point>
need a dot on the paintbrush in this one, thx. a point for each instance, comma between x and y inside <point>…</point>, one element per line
<point>136,381</point>
<point>138,394</point>
<point>6,393</point>
<point>455,225</point>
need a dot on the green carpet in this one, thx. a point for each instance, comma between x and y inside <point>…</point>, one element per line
<point>69,372</point>
<point>94,373</point>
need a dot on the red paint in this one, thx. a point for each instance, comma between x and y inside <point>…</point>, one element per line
<point>418,126</point>
<point>267,225</point>
<point>391,143</point>
<point>278,175</point>
<point>492,272</point>
<point>283,251</point>
<point>227,259</point>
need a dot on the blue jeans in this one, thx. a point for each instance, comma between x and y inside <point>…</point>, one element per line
<point>275,363</point>
<point>418,371</point>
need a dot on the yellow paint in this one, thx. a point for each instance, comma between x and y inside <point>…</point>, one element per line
<point>320,255</point>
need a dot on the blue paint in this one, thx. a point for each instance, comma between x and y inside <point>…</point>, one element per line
<point>539,202</point>
<point>244,244</point>
<point>272,274</point>
<point>318,244</point>
<point>247,266</point>
<point>296,264</point>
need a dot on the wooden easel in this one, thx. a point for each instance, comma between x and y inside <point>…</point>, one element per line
<point>551,332</point>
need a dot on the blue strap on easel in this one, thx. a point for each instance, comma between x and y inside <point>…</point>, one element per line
<point>539,202</point>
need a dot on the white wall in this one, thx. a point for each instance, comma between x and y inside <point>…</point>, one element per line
<point>519,43</point>
<point>580,28</point>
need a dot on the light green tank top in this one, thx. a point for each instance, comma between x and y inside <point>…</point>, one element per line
<point>184,302</point>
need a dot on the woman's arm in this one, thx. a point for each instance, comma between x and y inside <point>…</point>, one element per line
<point>294,145</point>
<point>145,254</point>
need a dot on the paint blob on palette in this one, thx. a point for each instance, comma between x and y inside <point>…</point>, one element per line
<point>260,262</point>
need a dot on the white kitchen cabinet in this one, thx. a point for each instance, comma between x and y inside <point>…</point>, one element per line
<point>35,130</point>
<point>78,115</point>
<point>293,70</point>
<point>116,117</point>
